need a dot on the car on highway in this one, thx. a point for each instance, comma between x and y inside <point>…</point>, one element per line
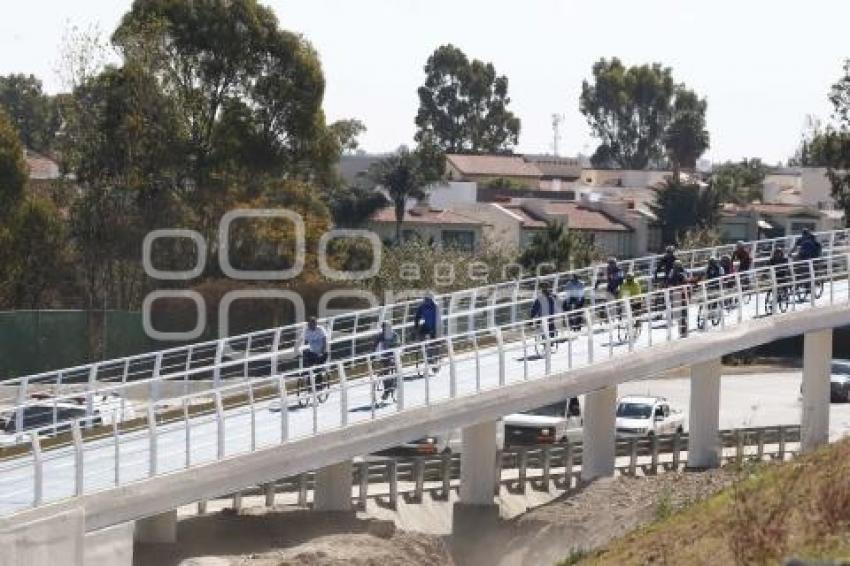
<point>839,382</point>
<point>43,412</point>
<point>647,416</point>
<point>544,425</point>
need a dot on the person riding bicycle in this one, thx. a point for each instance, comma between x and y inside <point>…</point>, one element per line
<point>665,264</point>
<point>743,257</point>
<point>677,281</point>
<point>426,323</point>
<point>545,306</point>
<point>808,246</point>
<point>629,290</point>
<point>613,278</point>
<point>779,262</point>
<point>316,342</point>
<point>727,265</point>
<point>428,313</point>
<point>385,342</point>
<point>574,300</point>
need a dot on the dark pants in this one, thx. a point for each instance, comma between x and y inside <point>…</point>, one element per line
<point>575,318</point>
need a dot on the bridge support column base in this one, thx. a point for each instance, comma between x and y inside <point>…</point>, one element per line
<point>469,519</point>
<point>112,546</point>
<point>56,539</point>
<point>159,529</point>
<point>479,474</point>
<point>599,433</point>
<point>704,418</point>
<point>817,358</point>
<point>333,488</point>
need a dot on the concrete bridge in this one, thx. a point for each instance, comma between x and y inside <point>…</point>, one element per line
<point>83,491</point>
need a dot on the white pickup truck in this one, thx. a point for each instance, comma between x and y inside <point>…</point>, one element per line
<point>647,416</point>
<point>544,425</point>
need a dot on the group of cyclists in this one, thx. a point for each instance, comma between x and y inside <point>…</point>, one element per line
<point>670,272</point>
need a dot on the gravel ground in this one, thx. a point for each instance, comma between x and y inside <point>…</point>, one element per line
<point>592,516</point>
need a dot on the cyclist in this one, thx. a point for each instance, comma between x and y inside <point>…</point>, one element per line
<point>677,281</point>
<point>316,351</point>
<point>713,272</point>
<point>779,262</point>
<point>574,300</point>
<point>428,314</point>
<point>629,290</point>
<point>808,246</point>
<point>665,264</point>
<point>745,263</point>
<point>613,278</point>
<point>546,305</point>
<point>385,341</point>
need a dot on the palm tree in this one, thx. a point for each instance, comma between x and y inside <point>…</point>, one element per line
<point>558,246</point>
<point>404,175</point>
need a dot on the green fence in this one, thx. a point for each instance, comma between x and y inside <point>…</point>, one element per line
<point>36,341</point>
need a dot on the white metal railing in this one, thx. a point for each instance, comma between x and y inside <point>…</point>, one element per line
<point>238,418</point>
<point>352,333</point>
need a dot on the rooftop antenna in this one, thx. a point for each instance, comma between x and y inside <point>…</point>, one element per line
<point>557,120</point>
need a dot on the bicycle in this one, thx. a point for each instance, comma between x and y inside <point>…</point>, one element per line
<point>782,300</point>
<point>540,339</point>
<point>802,290</point>
<point>309,381</point>
<point>624,333</point>
<point>709,310</point>
<point>428,357</point>
<point>385,381</point>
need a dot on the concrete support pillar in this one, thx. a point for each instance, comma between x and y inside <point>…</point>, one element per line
<point>478,474</point>
<point>56,539</point>
<point>817,358</point>
<point>598,446</point>
<point>704,418</point>
<point>112,546</point>
<point>159,529</point>
<point>333,487</point>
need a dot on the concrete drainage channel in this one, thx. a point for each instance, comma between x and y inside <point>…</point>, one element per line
<point>537,467</point>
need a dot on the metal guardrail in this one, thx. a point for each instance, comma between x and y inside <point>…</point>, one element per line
<point>352,334</point>
<point>536,467</point>
<point>480,359</point>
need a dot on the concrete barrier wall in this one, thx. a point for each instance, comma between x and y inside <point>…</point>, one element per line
<point>56,539</point>
<point>112,546</point>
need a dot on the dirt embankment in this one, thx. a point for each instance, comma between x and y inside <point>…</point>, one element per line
<point>282,537</point>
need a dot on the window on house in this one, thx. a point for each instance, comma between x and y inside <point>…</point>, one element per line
<point>459,239</point>
<point>797,227</point>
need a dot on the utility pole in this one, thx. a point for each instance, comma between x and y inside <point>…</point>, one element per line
<point>557,119</point>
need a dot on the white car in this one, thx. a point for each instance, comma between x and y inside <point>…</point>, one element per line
<point>647,416</point>
<point>44,413</point>
<point>544,425</point>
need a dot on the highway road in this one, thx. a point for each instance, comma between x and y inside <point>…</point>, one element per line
<point>243,430</point>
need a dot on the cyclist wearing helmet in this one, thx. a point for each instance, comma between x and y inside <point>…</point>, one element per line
<point>665,264</point>
<point>546,305</point>
<point>677,280</point>
<point>713,270</point>
<point>574,300</point>
<point>808,246</point>
<point>613,278</point>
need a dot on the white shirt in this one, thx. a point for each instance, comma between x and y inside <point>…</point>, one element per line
<point>316,339</point>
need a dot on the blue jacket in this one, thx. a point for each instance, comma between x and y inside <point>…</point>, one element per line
<point>429,313</point>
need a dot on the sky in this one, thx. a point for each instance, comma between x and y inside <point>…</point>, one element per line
<point>763,65</point>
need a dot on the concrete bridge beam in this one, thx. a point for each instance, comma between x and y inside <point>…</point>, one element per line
<point>817,358</point>
<point>598,449</point>
<point>704,425</point>
<point>333,487</point>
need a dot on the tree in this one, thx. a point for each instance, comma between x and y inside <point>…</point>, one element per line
<point>13,168</point>
<point>347,132</point>
<point>31,111</point>
<point>463,105</point>
<point>686,137</point>
<point>682,208</point>
<point>558,246</point>
<point>351,206</point>
<point>246,94</point>
<point>740,182</point>
<point>403,175</point>
<point>631,110</point>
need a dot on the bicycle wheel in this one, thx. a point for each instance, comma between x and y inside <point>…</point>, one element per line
<point>323,388</point>
<point>303,391</point>
<point>701,319</point>
<point>783,299</point>
<point>622,331</point>
<point>801,291</point>
<point>715,314</point>
<point>818,289</point>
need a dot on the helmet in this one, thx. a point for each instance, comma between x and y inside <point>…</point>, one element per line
<point>429,295</point>
<point>670,249</point>
<point>678,264</point>
<point>712,260</point>
<point>630,276</point>
<point>807,232</point>
<point>726,259</point>
<point>612,259</point>
<point>739,244</point>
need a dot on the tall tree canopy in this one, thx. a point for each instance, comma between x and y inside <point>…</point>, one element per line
<point>683,208</point>
<point>835,144</point>
<point>403,175</point>
<point>31,111</point>
<point>13,168</point>
<point>739,182</point>
<point>246,95</point>
<point>631,111</point>
<point>463,105</point>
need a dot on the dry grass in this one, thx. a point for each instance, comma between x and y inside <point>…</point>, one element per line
<point>774,511</point>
